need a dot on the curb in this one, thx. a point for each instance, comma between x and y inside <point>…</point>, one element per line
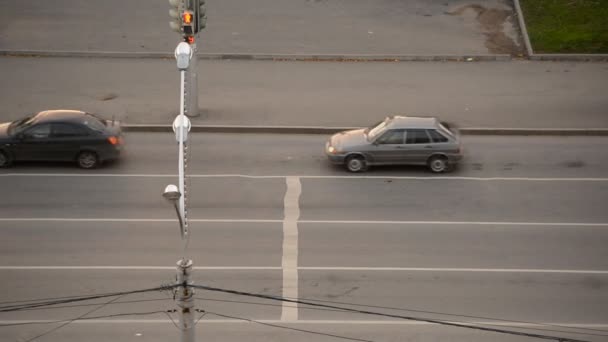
<point>332,130</point>
<point>262,57</point>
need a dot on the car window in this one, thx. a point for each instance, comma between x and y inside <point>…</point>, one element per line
<point>38,132</point>
<point>437,136</point>
<point>63,130</point>
<point>93,122</point>
<point>417,136</point>
<point>392,137</point>
<point>377,130</point>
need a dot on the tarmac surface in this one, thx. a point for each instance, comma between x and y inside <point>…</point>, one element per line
<point>518,94</point>
<point>413,27</point>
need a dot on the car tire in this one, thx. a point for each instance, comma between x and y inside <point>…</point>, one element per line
<point>356,164</point>
<point>438,164</point>
<point>5,160</point>
<point>87,160</point>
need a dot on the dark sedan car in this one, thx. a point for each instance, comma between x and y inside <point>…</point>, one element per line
<point>60,135</point>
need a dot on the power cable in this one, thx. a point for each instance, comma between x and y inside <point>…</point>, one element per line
<point>452,314</point>
<point>72,320</point>
<point>11,308</point>
<point>86,318</point>
<point>446,323</point>
<point>465,322</point>
<point>289,328</point>
<point>92,304</point>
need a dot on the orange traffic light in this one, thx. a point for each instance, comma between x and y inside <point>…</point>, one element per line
<point>187,17</point>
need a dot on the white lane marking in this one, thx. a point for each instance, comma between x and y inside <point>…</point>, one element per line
<point>139,175</point>
<point>454,223</point>
<point>290,274</point>
<point>290,247</point>
<point>319,322</point>
<point>443,269</point>
<point>60,219</point>
<point>149,268</point>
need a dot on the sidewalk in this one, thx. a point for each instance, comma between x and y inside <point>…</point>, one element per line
<point>306,27</point>
<point>519,94</point>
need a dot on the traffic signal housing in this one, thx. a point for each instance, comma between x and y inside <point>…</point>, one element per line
<point>177,6</point>
<point>188,25</point>
<point>200,13</point>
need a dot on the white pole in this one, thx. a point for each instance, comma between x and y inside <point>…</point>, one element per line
<point>185,300</point>
<point>182,134</point>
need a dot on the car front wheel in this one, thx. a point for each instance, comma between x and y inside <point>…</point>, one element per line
<point>356,164</point>
<point>87,160</point>
<point>438,164</point>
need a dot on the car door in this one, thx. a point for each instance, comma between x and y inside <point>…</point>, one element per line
<point>388,148</point>
<point>35,144</point>
<point>418,145</point>
<point>68,139</point>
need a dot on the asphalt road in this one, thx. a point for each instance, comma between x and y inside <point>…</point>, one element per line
<point>380,27</point>
<point>492,94</point>
<point>517,233</point>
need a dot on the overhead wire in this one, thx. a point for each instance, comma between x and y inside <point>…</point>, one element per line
<point>465,322</point>
<point>428,320</point>
<point>290,328</point>
<point>72,320</point>
<point>34,304</point>
<point>86,318</point>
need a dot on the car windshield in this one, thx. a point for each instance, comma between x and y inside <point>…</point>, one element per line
<point>19,125</point>
<point>377,129</point>
<point>94,122</point>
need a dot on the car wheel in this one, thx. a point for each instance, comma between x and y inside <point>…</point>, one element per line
<point>356,164</point>
<point>87,160</point>
<point>4,159</point>
<point>438,164</point>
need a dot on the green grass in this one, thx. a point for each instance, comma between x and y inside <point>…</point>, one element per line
<point>567,26</point>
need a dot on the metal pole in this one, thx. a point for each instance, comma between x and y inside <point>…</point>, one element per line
<point>192,102</point>
<point>185,300</point>
<point>182,205</point>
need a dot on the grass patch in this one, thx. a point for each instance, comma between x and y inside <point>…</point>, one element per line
<point>567,26</point>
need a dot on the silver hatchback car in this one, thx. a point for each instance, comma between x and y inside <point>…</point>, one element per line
<point>398,140</point>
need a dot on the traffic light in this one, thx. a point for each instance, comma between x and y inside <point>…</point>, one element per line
<point>200,14</point>
<point>177,6</point>
<point>188,22</point>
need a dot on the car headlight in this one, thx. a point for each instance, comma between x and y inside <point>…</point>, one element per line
<point>331,149</point>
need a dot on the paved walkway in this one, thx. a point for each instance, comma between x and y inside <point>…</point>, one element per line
<point>378,27</point>
<point>519,94</point>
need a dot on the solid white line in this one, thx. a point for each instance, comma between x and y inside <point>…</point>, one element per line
<point>443,269</point>
<point>153,268</point>
<point>478,223</point>
<point>290,247</point>
<point>319,322</point>
<point>540,179</point>
<point>290,274</point>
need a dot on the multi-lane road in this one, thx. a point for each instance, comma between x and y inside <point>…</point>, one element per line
<point>515,237</point>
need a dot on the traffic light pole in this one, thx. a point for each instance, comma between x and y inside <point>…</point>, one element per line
<point>192,92</point>
<point>185,300</point>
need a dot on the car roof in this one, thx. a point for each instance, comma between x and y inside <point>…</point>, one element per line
<point>59,115</point>
<point>401,121</point>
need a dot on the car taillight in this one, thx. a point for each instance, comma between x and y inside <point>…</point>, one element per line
<point>114,140</point>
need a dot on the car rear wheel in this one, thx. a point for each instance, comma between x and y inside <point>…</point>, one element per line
<point>356,164</point>
<point>4,159</point>
<point>438,164</point>
<point>87,160</point>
